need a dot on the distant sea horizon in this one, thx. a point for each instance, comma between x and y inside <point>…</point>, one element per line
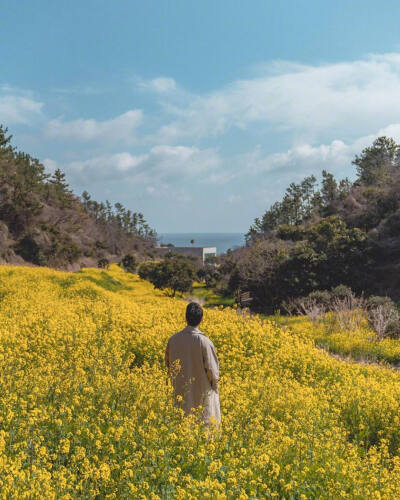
<point>222,241</point>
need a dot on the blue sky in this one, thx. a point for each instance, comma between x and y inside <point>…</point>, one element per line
<point>198,113</point>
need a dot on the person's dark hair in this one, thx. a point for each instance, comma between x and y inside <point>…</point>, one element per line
<point>194,313</point>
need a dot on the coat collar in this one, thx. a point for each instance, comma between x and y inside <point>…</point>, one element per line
<point>191,329</point>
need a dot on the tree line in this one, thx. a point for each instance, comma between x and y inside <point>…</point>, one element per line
<point>44,222</point>
<point>133,223</point>
<point>321,235</point>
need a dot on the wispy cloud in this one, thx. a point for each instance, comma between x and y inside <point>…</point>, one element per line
<point>306,159</point>
<point>162,165</point>
<point>319,117</point>
<point>19,109</point>
<point>160,85</point>
<point>308,101</point>
<point>122,128</point>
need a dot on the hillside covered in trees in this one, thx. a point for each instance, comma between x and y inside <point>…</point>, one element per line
<point>43,223</point>
<point>323,235</point>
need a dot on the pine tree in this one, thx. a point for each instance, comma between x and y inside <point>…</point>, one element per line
<point>61,188</point>
<point>375,162</point>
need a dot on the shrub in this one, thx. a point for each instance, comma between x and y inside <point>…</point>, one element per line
<point>31,251</point>
<point>129,263</point>
<point>100,245</point>
<point>211,276</point>
<point>63,249</point>
<point>349,310</point>
<point>378,300</point>
<point>103,263</point>
<point>175,273</point>
<point>147,270</point>
<point>383,316</point>
<point>321,297</point>
<point>201,274</point>
<point>305,306</point>
<point>341,292</point>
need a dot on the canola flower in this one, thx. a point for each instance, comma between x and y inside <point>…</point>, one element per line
<point>359,343</point>
<point>85,411</point>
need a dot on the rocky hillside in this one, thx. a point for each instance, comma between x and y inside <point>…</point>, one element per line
<point>43,223</point>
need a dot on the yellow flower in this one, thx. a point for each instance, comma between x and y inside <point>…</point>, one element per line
<point>86,411</point>
<point>64,446</point>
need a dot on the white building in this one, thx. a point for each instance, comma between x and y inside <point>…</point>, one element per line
<point>201,252</point>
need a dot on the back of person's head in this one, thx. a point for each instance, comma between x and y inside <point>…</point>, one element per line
<point>194,314</point>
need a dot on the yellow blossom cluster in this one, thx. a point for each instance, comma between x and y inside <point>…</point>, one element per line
<point>357,342</point>
<point>86,410</point>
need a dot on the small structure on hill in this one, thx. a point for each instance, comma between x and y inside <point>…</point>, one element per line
<point>201,252</point>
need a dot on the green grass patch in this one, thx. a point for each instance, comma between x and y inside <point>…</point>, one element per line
<point>210,297</point>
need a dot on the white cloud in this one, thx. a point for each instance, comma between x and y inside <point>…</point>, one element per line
<point>305,159</point>
<point>122,128</point>
<point>160,85</point>
<point>310,101</point>
<point>17,109</point>
<point>300,158</point>
<point>161,165</point>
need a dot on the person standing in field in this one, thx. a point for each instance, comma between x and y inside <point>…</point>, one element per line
<point>195,381</point>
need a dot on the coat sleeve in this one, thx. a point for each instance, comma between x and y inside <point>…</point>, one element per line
<point>211,364</point>
<point>166,356</point>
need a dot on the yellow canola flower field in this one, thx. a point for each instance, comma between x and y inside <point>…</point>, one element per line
<point>359,342</point>
<point>85,411</point>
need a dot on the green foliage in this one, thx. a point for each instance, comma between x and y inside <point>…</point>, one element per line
<point>376,300</point>
<point>301,201</point>
<point>22,181</point>
<point>315,239</point>
<point>31,251</point>
<point>53,250</point>
<point>296,206</point>
<point>103,263</point>
<point>291,233</point>
<point>60,189</point>
<point>118,217</point>
<point>129,263</point>
<point>175,273</point>
<point>30,199</point>
<point>211,277</point>
<point>314,257</point>
<point>147,270</point>
<point>375,162</point>
<point>63,249</point>
<point>321,297</point>
<point>211,260</point>
<point>341,292</point>
<point>100,245</point>
<point>210,296</point>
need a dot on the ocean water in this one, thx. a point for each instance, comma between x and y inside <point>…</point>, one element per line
<point>222,241</point>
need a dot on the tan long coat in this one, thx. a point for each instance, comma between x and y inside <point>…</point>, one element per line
<point>197,380</point>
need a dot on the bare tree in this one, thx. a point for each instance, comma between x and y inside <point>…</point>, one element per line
<point>305,306</point>
<point>349,311</point>
<point>381,317</point>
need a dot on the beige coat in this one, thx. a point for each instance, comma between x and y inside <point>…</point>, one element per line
<point>197,379</point>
